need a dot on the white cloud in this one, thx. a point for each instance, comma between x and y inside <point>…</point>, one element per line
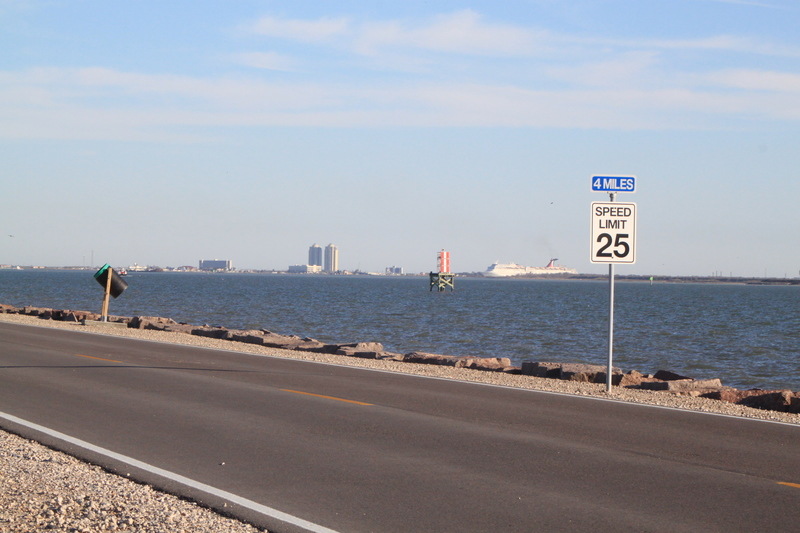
<point>322,29</point>
<point>265,60</point>
<point>461,32</point>
<point>467,32</point>
<point>758,80</point>
<point>631,91</point>
<point>748,3</point>
<point>631,68</point>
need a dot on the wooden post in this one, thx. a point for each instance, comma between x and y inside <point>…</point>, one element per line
<point>441,281</point>
<point>109,272</point>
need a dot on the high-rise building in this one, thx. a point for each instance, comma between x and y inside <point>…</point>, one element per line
<point>331,259</point>
<point>216,264</point>
<point>315,255</point>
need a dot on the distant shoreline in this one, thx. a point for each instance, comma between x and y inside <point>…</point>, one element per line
<point>738,280</point>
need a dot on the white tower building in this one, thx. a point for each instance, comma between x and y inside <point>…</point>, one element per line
<point>331,259</point>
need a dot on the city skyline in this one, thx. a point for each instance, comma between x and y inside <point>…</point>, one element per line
<point>159,133</point>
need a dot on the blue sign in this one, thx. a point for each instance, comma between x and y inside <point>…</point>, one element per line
<point>614,183</point>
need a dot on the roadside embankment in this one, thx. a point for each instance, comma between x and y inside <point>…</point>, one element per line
<point>44,490</point>
<point>661,388</point>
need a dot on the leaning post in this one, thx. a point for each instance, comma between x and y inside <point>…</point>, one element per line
<point>107,295</point>
<point>112,284</point>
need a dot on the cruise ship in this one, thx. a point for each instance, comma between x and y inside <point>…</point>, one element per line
<point>503,270</point>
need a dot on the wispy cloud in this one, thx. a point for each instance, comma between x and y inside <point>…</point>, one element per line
<point>758,80</point>
<point>748,3</point>
<point>319,30</point>
<point>467,32</point>
<point>265,60</point>
<point>103,103</point>
<point>626,69</point>
<point>464,32</point>
<point>513,76</point>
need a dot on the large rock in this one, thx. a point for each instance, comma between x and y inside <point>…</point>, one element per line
<point>307,344</point>
<point>779,400</point>
<point>541,370</point>
<point>211,332</point>
<point>176,328</point>
<point>150,322</point>
<point>634,378</point>
<point>775,400</point>
<point>587,373</point>
<point>571,372</point>
<point>366,350</point>
<point>666,375</point>
<point>492,364</point>
<point>292,342</point>
<point>80,316</point>
<point>683,385</point>
<point>67,315</point>
<point>249,336</point>
<point>41,312</point>
<point>732,395</point>
<point>431,359</point>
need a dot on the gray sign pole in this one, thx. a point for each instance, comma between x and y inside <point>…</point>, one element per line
<point>609,243</point>
<point>610,316</point>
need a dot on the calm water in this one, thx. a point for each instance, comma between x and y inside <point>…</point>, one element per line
<point>749,336</point>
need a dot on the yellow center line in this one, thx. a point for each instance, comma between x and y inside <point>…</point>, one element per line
<point>98,358</point>
<point>795,485</point>
<point>326,397</point>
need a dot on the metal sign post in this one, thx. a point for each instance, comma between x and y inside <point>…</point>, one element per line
<point>610,316</point>
<point>613,240</point>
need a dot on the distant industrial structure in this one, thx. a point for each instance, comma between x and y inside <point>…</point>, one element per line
<point>443,279</point>
<point>214,265</point>
<point>331,263</point>
<point>394,270</point>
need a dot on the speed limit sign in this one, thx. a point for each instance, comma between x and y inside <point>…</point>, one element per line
<point>613,232</point>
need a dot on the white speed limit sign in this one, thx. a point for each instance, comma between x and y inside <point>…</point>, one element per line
<point>613,232</point>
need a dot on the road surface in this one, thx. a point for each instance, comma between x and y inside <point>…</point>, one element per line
<point>295,445</point>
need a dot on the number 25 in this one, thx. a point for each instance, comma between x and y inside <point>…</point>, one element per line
<point>617,243</point>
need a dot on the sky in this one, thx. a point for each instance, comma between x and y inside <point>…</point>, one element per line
<point>163,133</point>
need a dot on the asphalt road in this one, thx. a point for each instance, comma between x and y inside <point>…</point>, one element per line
<point>358,450</point>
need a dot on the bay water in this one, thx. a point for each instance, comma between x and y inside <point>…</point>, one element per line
<point>747,335</point>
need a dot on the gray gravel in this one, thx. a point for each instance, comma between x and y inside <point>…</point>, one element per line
<point>44,490</point>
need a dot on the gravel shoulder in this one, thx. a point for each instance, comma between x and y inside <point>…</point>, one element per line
<point>44,490</point>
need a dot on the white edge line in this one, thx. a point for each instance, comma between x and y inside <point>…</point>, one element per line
<point>244,502</point>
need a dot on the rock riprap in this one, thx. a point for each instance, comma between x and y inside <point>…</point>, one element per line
<point>665,381</point>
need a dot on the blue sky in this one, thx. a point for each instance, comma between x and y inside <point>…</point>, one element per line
<point>168,132</point>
